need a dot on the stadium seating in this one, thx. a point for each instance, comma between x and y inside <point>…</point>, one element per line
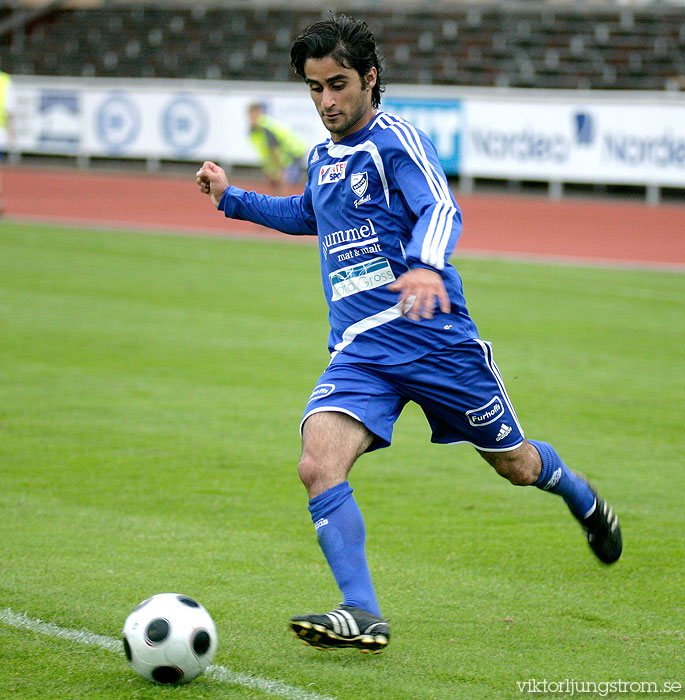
<point>526,45</point>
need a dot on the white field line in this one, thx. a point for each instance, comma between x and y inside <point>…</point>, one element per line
<point>218,673</point>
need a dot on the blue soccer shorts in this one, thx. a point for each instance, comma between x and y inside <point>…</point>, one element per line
<point>458,387</point>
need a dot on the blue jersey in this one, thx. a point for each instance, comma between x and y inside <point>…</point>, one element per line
<point>380,205</point>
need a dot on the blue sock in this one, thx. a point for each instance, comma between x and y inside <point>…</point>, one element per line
<point>341,534</point>
<point>557,478</point>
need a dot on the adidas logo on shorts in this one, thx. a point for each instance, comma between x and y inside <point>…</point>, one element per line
<point>503,432</point>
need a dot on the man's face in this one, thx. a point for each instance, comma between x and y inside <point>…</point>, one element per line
<point>254,114</point>
<point>343,103</point>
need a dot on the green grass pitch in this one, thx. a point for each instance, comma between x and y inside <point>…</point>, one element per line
<point>150,393</point>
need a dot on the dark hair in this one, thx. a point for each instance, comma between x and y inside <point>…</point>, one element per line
<point>349,41</point>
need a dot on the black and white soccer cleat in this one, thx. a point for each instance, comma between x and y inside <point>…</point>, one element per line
<point>345,626</point>
<point>603,532</point>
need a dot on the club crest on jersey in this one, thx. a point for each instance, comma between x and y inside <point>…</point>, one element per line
<point>359,182</point>
<point>329,174</point>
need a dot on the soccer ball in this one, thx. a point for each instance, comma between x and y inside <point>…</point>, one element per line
<point>169,638</point>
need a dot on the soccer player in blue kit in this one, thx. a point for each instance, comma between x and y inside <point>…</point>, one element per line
<point>387,224</point>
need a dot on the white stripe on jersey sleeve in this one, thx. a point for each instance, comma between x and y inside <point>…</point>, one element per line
<point>415,140</point>
<point>385,123</point>
<point>438,213</point>
<point>436,257</point>
<point>440,227</point>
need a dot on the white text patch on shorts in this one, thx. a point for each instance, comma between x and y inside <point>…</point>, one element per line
<point>487,414</point>
<point>322,390</point>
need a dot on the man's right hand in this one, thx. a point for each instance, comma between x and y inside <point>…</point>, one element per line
<point>212,180</point>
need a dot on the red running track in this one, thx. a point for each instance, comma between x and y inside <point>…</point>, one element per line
<point>610,232</point>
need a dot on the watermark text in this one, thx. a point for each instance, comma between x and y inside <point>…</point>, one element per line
<point>572,687</point>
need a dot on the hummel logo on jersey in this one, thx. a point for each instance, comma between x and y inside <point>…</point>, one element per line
<point>332,173</point>
<point>356,237</point>
<point>503,432</point>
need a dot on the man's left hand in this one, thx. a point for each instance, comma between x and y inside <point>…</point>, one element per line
<point>420,290</point>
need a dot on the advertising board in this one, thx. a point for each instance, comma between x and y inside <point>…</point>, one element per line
<point>559,136</point>
<point>569,141</point>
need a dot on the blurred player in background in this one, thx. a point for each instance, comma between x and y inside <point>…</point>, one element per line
<point>387,224</point>
<point>281,150</point>
<point>7,109</point>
